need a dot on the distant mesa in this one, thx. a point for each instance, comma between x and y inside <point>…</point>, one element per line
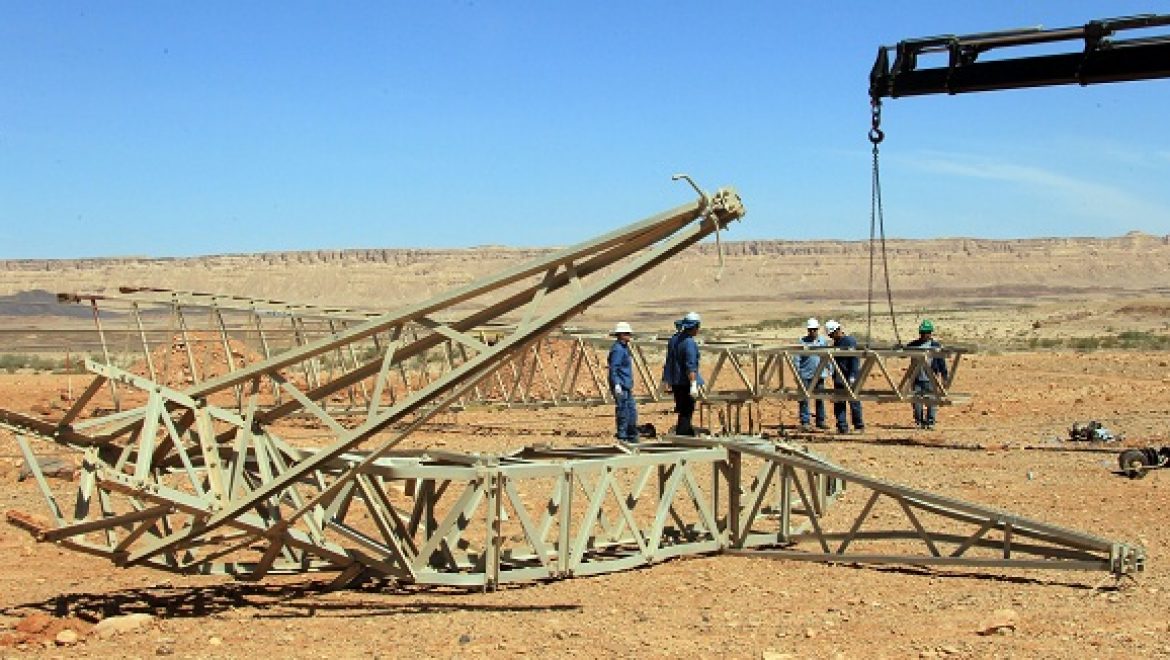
<point>756,270</point>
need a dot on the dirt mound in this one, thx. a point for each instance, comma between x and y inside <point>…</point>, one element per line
<point>199,356</point>
<point>41,630</point>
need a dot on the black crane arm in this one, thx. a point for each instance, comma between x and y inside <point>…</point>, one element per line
<point>1104,58</point>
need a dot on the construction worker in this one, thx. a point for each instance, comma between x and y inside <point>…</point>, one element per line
<point>847,373</point>
<point>812,373</point>
<point>621,381</point>
<point>681,372</point>
<point>924,414</point>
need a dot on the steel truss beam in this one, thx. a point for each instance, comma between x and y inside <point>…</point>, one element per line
<point>240,481</point>
<point>558,369</point>
<point>736,373</point>
<point>917,527</point>
<point>543,513</point>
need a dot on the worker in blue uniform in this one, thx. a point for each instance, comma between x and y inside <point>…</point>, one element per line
<point>621,382</point>
<point>849,368</point>
<point>924,414</point>
<point>808,367</point>
<point>681,372</point>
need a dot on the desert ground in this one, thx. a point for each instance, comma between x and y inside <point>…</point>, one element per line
<point>1058,339</point>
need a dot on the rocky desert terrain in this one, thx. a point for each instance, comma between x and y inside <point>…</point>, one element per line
<point>1063,285</point>
<point>1064,331</point>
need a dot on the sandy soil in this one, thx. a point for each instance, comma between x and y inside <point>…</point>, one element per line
<point>1003,448</point>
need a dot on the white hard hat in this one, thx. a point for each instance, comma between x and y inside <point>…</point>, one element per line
<point>812,323</point>
<point>693,316</point>
<point>832,326</point>
<point>622,327</point>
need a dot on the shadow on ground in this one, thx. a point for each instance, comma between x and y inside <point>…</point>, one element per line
<point>1108,583</point>
<point>311,599</point>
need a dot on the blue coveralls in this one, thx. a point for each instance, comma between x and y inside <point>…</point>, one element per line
<point>850,368</point>
<point>808,366</point>
<point>682,357</point>
<point>621,372</point>
<point>924,414</point>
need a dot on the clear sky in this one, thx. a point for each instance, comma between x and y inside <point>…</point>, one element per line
<point>187,128</point>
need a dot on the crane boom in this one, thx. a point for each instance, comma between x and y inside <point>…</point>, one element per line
<point>1105,57</point>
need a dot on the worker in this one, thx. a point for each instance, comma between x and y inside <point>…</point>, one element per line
<point>924,414</point>
<point>812,373</point>
<point>681,372</point>
<point>849,368</point>
<point>621,381</point>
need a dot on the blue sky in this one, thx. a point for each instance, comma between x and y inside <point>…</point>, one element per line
<point>175,129</point>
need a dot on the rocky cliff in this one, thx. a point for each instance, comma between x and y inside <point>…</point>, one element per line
<point>770,271</point>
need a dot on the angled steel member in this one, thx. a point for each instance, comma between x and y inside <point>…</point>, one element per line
<point>221,476</point>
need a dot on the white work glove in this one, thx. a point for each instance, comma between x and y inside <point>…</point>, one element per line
<point>694,389</point>
<point>617,389</point>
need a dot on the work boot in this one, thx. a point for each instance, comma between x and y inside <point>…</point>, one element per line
<point>806,427</point>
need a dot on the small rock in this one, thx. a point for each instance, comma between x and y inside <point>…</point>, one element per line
<point>116,625</point>
<point>810,633</point>
<point>465,638</point>
<point>1001,622</point>
<point>215,641</point>
<point>51,467</point>
<point>66,637</point>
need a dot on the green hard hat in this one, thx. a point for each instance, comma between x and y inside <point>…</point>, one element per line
<point>926,326</point>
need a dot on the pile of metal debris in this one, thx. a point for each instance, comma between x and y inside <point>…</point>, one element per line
<point>1092,431</point>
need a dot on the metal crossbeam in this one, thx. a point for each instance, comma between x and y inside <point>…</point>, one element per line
<point>926,528</point>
